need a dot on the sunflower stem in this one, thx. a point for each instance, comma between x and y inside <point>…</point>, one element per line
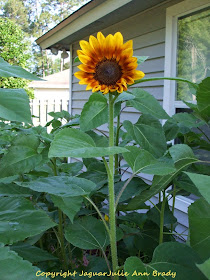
<point>112,217</point>
<point>116,160</point>
<point>162,218</point>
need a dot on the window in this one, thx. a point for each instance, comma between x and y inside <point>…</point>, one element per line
<point>187,55</point>
<point>187,51</point>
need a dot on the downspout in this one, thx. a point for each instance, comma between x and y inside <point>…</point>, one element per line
<point>70,79</point>
<point>70,84</point>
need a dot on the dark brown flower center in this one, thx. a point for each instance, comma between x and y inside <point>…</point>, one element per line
<point>108,72</point>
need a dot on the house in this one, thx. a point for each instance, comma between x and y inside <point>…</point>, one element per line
<point>159,29</point>
<point>55,86</point>
<point>50,94</point>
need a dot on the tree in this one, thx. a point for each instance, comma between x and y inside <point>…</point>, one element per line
<point>15,49</point>
<point>36,17</point>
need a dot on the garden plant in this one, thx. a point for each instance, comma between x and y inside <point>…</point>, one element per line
<point>74,203</point>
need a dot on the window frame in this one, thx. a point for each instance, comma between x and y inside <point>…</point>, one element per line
<point>170,104</point>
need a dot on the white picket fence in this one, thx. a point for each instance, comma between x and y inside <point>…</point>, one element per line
<point>41,108</point>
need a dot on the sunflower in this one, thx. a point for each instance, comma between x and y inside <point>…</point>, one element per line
<point>108,64</point>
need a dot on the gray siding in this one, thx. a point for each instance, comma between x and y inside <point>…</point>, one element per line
<point>147,30</point>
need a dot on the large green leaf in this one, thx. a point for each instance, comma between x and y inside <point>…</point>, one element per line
<point>71,142</point>
<point>147,104</point>
<point>148,133</point>
<point>202,182</point>
<point>142,161</point>
<point>203,97</point>
<point>69,205</point>
<point>21,157</point>
<point>199,225</point>
<point>205,268</point>
<point>32,254</point>
<point>14,105</point>
<point>172,260</point>
<point>14,190</point>
<point>182,156</point>
<point>7,70</point>
<point>19,220</point>
<point>87,233</point>
<point>14,267</point>
<point>95,112</point>
<point>64,186</point>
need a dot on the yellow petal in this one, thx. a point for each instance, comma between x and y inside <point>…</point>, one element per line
<point>85,59</point>
<point>100,38</point>
<point>86,48</point>
<point>138,75</point>
<point>80,75</point>
<point>109,46</point>
<point>86,68</point>
<point>128,45</point>
<point>118,39</point>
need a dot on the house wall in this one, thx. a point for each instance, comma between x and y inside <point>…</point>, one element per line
<point>147,30</point>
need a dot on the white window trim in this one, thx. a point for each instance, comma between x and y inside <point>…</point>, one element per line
<point>172,14</point>
<point>169,93</point>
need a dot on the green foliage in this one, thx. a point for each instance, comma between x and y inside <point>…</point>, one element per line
<point>20,267</point>
<point>174,257</point>
<point>53,210</point>
<point>15,50</point>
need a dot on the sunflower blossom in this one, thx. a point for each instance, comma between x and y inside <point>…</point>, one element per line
<point>108,64</point>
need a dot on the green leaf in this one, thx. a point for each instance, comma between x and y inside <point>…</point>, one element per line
<point>76,59</point>
<point>7,70</point>
<point>68,186</point>
<point>71,168</point>
<point>147,104</point>
<point>199,225</point>
<point>148,133</point>
<point>171,129</point>
<point>72,142</point>
<point>203,97</point>
<point>141,59</point>
<point>136,186</point>
<point>19,220</point>
<point>14,105</point>
<point>174,258</point>
<point>154,215</point>
<point>31,253</point>
<point>202,183</point>
<point>14,267</point>
<point>182,156</point>
<point>69,205</point>
<point>205,268</point>
<point>183,182</point>
<point>87,233</point>
<point>188,120</point>
<point>142,161</point>
<point>124,96</point>
<point>21,157</point>
<point>13,190</point>
<point>95,112</point>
